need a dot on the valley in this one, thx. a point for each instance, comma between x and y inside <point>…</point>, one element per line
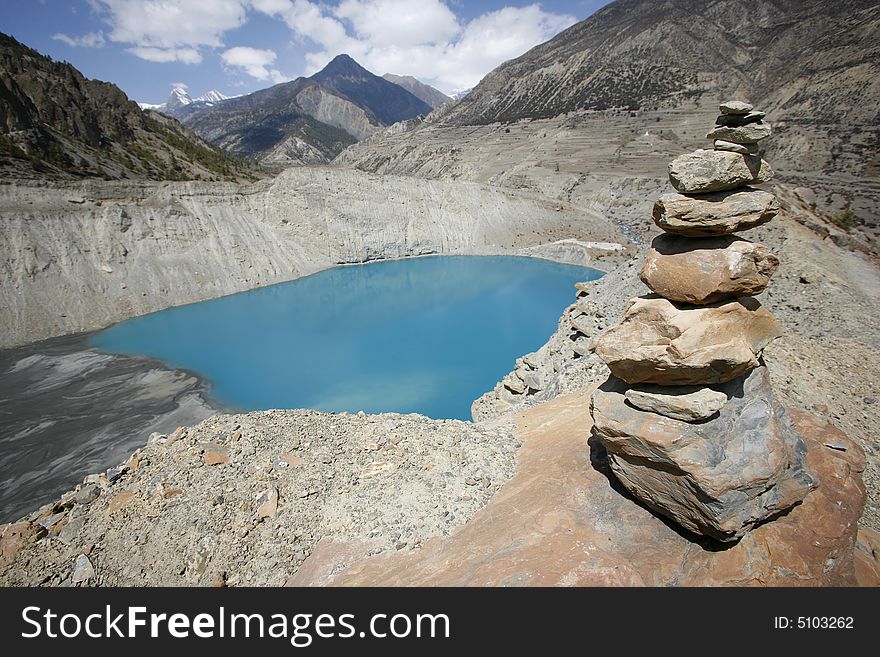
<point>557,154</point>
<point>79,256</point>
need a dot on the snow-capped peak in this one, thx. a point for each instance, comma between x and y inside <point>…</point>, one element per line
<point>212,96</point>
<point>178,98</point>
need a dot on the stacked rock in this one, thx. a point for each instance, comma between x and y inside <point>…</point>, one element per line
<point>688,417</point>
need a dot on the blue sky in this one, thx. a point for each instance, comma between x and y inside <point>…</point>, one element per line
<point>238,46</point>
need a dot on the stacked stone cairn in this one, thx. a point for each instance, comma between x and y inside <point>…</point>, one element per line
<point>688,417</point>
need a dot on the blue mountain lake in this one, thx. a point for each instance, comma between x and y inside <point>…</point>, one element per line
<point>424,335</point>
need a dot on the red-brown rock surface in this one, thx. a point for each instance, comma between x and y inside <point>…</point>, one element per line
<point>562,520</point>
<point>720,477</point>
<point>867,557</point>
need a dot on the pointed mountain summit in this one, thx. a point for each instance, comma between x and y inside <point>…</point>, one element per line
<point>212,96</point>
<point>389,102</point>
<point>177,98</point>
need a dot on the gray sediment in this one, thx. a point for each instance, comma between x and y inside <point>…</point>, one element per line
<point>68,409</point>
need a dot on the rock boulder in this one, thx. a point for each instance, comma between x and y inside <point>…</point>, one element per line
<point>718,478</point>
<point>705,170</point>
<point>661,342</point>
<point>750,133</point>
<point>735,107</point>
<point>686,403</point>
<point>718,213</point>
<point>701,270</point>
<point>745,149</point>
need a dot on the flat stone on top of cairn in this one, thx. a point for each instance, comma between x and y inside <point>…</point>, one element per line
<point>735,107</point>
<point>706,444</point>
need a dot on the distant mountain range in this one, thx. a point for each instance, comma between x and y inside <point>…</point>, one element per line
<point>180,98</point>
<point>308,120</point>
<point>56,123</point>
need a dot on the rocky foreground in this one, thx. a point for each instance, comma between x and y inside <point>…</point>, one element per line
<point>307,498</point>
<point>826,297</point>
<point>243,499</point>
<point>563,520</point>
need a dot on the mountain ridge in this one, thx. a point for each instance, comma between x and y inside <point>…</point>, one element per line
<point>304,121</point>
<point>55,122</point>
<point>424,92</point>
<point>627,86</point>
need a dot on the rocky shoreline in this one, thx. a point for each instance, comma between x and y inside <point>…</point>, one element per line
<point>83,410</point>
<point>243,499</point>
<point>69,409</point>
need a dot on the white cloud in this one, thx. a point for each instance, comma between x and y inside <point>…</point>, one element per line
<point>90,40</point>
<point>165,55</point>
<point>399,22</point>
<point>255,62</point>
<point>170,30</point>
<point>494,38</point>
<point>307,20</point>
<point>179,85</point>
<point>424,38</point>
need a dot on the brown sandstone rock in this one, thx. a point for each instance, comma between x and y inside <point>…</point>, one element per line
<point>735,107</point>
<point>267,503</point>
<point>119,501</point>
<point>701,270</point>
<point>687,403</point>
<point>15,537</point>
<point>749,133</point>
<point>215,455</point>
<point>719,213</point>
<point>563,521</point>
<point>745,149</point>
<point>713,171</point>
<point>867,557</point>
<point>718,478</point>
<point>661,342</point>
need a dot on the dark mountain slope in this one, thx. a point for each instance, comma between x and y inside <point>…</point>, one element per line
<point>810,57</point>
<point>56,122</point>
<point>253,126</point>
<point>389,102</point>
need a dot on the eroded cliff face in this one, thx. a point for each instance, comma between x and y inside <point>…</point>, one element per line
<point>336,111</point>
<point>79,257</point>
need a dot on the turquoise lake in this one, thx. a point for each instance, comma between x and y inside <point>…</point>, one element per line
<point>423,335</point>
